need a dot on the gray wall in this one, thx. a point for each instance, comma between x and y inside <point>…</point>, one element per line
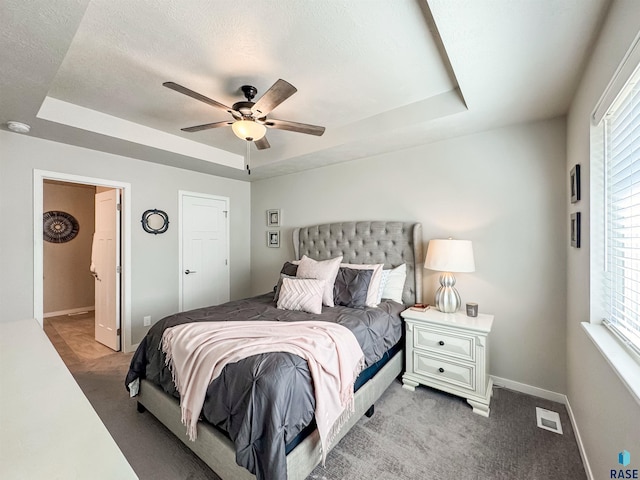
<point>503,189</point>
<point>606,413</point>
<point>154,257</point>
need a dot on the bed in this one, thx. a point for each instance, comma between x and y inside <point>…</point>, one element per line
<point>390,243</point>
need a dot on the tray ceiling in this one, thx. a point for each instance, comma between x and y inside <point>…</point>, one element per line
<point>379,75</point>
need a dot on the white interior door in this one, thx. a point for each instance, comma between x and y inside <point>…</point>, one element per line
<point>204,256</point>
<point>105,266</point>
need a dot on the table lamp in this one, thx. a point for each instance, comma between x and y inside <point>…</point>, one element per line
<point>449,256</point>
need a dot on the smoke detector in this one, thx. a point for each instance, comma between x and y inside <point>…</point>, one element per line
<point>18,127</point>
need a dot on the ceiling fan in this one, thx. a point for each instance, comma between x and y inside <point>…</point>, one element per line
<point>250,120</point>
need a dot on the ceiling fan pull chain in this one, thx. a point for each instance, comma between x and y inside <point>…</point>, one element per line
<point>247,157</point>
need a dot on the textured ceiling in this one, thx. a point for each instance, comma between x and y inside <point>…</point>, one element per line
<point>379,75</point>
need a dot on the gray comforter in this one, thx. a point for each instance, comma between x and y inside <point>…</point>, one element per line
<point>264,401</point>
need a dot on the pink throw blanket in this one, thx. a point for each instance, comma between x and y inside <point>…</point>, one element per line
<point>197,352</point>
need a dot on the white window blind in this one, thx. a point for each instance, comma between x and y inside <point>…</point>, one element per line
<point>622,187</point>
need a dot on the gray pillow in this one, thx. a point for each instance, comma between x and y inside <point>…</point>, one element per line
<point>288,269</point>
<point>351,287</point>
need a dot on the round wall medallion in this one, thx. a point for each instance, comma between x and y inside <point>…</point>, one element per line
<point>155,221</point>
<point>59,227</point>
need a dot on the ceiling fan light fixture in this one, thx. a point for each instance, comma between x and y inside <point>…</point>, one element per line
<point>249,130</point>
<point>250,118</point>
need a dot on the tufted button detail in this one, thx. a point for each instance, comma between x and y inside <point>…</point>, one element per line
<point>363,242</point>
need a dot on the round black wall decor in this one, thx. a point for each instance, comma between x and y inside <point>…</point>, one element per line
<point>59,227</point>
<point>155,221</point>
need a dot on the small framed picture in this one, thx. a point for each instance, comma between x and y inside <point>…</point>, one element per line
<point>575,229</point>
<point>273,239</point>
<point>273,218</point>
<point>575,184</point>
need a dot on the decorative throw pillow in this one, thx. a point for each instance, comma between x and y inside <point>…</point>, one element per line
<point>301,294</point>
<point>374,286</point>
<point>350,289</point>
<point>323,270</point>
<point>278,286</point>
<point>395,283</point>
<point>289,268</point>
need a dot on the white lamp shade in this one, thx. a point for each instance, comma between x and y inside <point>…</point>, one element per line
<point>249,130</point>
<point>450,256</point>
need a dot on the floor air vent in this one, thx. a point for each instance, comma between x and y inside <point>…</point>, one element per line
<point>548,420</point>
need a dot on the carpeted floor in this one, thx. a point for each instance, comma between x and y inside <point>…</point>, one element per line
<point>421,435</point>
<point>428,434</point>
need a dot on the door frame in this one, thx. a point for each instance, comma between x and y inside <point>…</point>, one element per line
<point>181,195</point>
<point>39,176</point>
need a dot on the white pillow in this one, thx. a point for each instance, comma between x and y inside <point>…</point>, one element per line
<point>395,283</point>
<point>383,283</point>
<point>373,297</point>
<point>301,294</point>
<point>326,270</point>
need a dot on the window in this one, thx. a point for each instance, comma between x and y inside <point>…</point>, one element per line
<point>621,278</point>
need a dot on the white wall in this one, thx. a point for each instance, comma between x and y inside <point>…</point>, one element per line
<point>606,413</point>
<point>503,189</point>
<point>154,257</point>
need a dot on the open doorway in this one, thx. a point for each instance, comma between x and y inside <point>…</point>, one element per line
<point>81,260</point>
<point>67,297</point>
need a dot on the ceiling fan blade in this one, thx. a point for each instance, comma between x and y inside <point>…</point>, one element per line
<point>295,127</point>
<point>278,93</point>
<point>206,126</point>
<point>262,144</point>
<point>196,95</point>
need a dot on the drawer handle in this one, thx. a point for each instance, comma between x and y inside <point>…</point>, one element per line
<point>441,343</point>
<point>441,370</point>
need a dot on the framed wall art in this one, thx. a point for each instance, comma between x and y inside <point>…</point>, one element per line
<point>575,230</point>
<point>273,218</point>
<point>575,183</point>
<point>273,239</point>
<point>59,227</point>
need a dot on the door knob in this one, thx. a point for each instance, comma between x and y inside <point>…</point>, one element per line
<point>187,272</point>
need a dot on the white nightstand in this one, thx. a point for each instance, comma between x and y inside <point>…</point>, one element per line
<point>450,352</point>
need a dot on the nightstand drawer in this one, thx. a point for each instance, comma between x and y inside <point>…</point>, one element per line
<point>444,371</point>
<point>449,343</point>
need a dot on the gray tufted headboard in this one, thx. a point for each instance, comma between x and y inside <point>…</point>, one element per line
<point>391,243</point>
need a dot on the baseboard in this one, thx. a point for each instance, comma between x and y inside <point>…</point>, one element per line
<point>70,311</point>
<point>576,432</point>
<point>529,389</point>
